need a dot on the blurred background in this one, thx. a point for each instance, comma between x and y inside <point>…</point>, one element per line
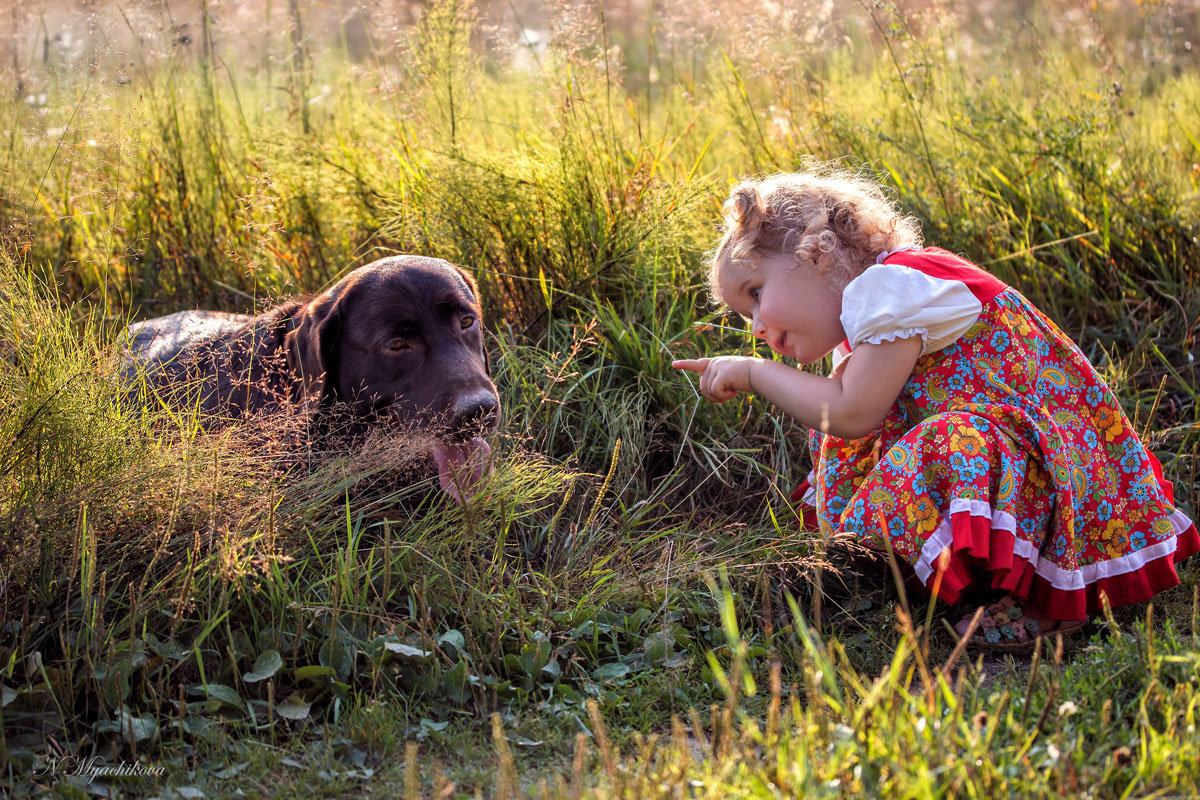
<point>718,90</point>
<point>43,35</point>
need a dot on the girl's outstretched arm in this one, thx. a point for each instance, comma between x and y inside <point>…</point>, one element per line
<point>849,404</point>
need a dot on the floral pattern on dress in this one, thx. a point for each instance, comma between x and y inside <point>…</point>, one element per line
<point>1012,415</point>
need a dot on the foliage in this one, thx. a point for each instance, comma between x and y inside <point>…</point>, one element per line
<point>166,589</point>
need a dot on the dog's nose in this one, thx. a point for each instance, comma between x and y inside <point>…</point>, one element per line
<point>477,410</point>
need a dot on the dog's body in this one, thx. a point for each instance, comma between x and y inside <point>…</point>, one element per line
<point>225,365</point>
<point>397,340</point>
<point>154,342</point>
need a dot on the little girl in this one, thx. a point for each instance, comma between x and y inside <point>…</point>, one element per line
<point>957,420</point>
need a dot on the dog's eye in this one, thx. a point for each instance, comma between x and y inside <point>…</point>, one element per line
<point>396,345</point>
<point>467,322</point>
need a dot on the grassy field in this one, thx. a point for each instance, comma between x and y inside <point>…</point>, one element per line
<point>628,610</point>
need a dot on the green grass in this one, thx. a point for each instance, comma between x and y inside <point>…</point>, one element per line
<point>204,603</point>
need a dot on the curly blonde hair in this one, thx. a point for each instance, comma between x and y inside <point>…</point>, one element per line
<point>827,216</point>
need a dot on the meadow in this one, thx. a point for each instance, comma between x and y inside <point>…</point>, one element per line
<point>628,609</point>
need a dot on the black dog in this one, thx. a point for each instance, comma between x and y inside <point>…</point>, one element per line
<point>397,340</point>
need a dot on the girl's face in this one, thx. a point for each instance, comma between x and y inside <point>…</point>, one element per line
<point>790,305</point>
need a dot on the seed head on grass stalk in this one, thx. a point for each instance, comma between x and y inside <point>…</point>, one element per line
<point>612,469</point>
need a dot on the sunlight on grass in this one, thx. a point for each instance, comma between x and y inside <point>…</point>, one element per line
<point>212,601</point>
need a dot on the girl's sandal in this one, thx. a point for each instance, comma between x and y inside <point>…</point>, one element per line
<point>1005,628</point>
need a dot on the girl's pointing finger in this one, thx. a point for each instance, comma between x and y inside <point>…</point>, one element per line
<point>691,364</point>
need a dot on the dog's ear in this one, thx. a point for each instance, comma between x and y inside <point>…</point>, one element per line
<point>470,281</point>
<point>312,347</point>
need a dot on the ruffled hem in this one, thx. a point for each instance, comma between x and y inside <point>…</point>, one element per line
<point>982,541</point>
<point>805,493</point>
<point>891,336</point>
<point>979,540</point>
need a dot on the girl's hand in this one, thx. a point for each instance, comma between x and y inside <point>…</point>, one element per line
<point>721,378</point>
<point>849,404</point>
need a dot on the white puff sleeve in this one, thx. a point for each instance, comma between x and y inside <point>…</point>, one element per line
<point>890,301</point>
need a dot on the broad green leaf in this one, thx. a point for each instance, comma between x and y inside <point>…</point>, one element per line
<point>335,654</point>
<point>407,650</point>
<point>205,728</point>
<point>219,692</point>
<point>454,639</point>
<point>311,671</point>
<point>231,771</point>
<point>610,672</point>
<point>293,707</point>
<point>659,647</point>
<point>454,681</point>
<point>170,650</point>
<point>265,666</point>
<point>133,730</point>
<point>534,656</point>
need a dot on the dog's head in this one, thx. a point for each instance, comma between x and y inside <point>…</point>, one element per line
<point>402,339</point>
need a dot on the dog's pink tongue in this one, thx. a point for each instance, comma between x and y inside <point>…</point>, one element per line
<point>461,466</point>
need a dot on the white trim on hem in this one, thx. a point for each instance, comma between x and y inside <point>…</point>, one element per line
<point>1059,578</point>
<point>810,497</point>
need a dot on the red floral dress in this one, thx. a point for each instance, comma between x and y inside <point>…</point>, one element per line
<point>1006,450</point>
